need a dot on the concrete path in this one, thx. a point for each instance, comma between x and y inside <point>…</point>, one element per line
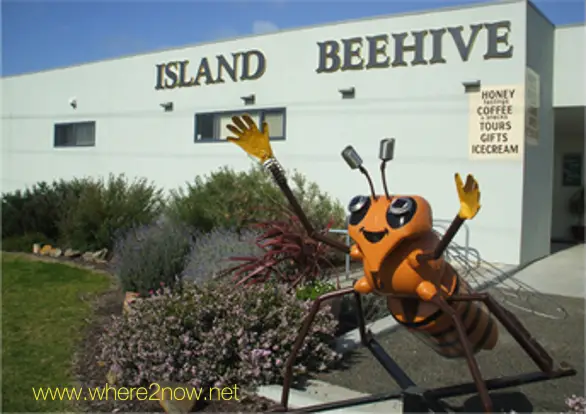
<point>562,273</point>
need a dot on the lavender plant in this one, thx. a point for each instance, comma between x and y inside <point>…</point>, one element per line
<point>212,335</point>
<point>149,255</point>
<point>211,253</point>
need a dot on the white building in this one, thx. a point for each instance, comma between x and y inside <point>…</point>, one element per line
<point>428,79</point>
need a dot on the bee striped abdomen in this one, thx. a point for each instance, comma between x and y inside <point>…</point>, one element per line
<point>439,332</point>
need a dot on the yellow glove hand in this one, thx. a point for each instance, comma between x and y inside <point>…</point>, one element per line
<point>249,138</point>
<point>469,196</point>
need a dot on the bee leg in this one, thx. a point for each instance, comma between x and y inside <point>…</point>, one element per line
<point>468,350</point>
<point>305,329</point>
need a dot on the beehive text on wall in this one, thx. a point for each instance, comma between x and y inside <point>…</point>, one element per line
<point>496,123</point>
<point>415,48</point>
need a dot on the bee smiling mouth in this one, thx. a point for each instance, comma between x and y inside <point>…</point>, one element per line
<point>374,236</point>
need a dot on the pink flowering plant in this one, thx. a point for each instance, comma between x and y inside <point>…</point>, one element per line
<point>215,335</point>
<point>575,404</point>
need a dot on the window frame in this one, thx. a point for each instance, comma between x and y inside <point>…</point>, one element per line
<point>261,111</point>
<point>58,125</point>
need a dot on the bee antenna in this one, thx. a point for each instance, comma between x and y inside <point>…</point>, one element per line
<point>386,148</point>
<point>383,180</point>
<point>354,161</point>
<point>364,171</point>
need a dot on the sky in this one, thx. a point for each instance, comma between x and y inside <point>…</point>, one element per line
<point>44,34</point>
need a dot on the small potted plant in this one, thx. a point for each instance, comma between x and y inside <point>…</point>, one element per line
<point>577,209</point>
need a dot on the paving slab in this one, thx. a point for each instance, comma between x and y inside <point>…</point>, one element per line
<point>319,392</point>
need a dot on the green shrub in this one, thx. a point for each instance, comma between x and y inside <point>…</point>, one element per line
<point>151,255</point>
<point>225,199</point>
<point>23,243</point>
<point>320,208</point>
<point>230,199</point>
<point>314,290</point>
<point>213,335</point>
<point>38,210</point>
<point>106,209</point>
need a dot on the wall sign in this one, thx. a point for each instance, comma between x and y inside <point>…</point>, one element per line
<point>532,106</point>
<point>572,170</point>
<point>424,47</point>
<point>241,66</point>
<point>496,123</point>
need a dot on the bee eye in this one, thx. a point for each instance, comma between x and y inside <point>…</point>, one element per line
<point>401,210</point>
<point>358,207</point>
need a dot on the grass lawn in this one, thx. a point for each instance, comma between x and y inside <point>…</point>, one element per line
<point>44,311</point>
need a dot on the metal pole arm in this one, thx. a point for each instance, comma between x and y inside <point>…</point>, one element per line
<point>275,168</point>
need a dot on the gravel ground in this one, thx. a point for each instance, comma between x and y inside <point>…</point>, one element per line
<point>564,339</point>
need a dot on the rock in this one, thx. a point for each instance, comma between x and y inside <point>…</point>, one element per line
<point>113,375</point>
<point>70,253</point>
<point>56,252</point>
<point>129,298</point>
<point>175,397</point>
<point>88,256</point>
<point>100,254</point>
<point>46,250</point>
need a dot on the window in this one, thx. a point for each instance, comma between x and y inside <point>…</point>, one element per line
<point>79,134</point>
<point>213,126</point>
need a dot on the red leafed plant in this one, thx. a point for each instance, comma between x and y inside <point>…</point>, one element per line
<point>290,255</point>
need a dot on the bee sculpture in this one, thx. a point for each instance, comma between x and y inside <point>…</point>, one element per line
<point>403,261</point>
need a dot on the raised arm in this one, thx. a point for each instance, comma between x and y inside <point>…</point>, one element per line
<point>469,197</point>
<point>256,143</point>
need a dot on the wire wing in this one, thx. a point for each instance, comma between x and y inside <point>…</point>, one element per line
<point>500,281</point>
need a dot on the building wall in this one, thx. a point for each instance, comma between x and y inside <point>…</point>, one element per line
<point>423,107</point>
<point>569,68</point>
<point>538,160</point>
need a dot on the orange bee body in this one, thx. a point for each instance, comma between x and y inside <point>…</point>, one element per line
<point>390,233</point>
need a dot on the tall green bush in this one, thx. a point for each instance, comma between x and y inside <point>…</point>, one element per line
<point>231,199</point>
<point>36,211</point>
<point>105,209</point>
<point>320,208</point>
<point>224,199</point>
